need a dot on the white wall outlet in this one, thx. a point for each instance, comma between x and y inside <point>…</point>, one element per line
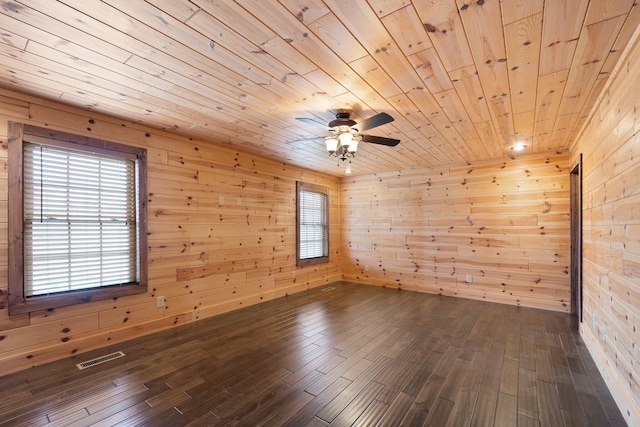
<point>366,267</point>
<point>160,302</point>
<point>221,200</point>
<point>603,333</point>
<point>469,278</point>
<point>593,321</point>
<point>293,274</point>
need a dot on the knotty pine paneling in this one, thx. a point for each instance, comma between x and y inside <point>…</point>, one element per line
<point>609,144</point>
<point>221,237</point>
<point>463,80</point>
<point>505,223</point>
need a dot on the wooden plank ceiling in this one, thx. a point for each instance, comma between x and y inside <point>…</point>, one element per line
<point>463,80</point>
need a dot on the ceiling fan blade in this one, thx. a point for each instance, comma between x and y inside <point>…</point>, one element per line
<point>295,141</point>
<point>312,122</point>
<point>374,121</point>
<point>372,139</point>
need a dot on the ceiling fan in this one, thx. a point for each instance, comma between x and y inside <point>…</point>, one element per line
<point>345,133</point>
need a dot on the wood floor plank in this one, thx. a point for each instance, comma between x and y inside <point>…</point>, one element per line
<point>418,381</point>
<point>485,409</point>
<point>439,415</point>
<point>583,384</point>
<point>455,378</point>
<point>358,369</point>
<point>544,371</point>
<point>371,415</point>
<point>506,410</point>
<point>284,401</point>
<point>358,355</point>
<point>122,419</point>
<point>248,395</point>
<point>445,366</point>
<point>593,410</point>
<point>339,371</point>
<point>549,407</point>
<point>512,350</point>
<point>527,353</point>
<point>308,412</point>
<point>463,407</point>
<point>424,402</point>
<point>395,377</point>
<point>352,411</point>
<point>525,421</point>
<point>329,412</point>
<point>561,370</point>
<point>493,370</point>
<point>568,397</point>
<point>323,363</point>
<point>316,422</point>
<point>175,395</point>
<point>572,419</point>
<point>207,419</point>
<point>527,393</point>
<point>41,407</point>
<point>509,377</point>
<point>605,397</point>
<point>121,405</point>
<point>476,372</point>
<point>396,411</point>
<point>68,417</point>
<point>284,409</point>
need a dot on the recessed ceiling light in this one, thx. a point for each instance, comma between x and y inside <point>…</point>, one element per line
<point>347,170</point>
<point>519,146</point>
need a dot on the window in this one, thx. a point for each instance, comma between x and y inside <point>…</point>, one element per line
<point>77,219</point>
<point>313,223</point>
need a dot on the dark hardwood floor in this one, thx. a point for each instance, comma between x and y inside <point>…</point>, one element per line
<point>354,355</point>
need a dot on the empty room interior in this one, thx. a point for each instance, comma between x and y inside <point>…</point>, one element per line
<point>320,212</point>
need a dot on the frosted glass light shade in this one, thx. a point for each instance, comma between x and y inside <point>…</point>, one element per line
<point>345,139</point>
<point>331,143</point>
<point>353,147</point>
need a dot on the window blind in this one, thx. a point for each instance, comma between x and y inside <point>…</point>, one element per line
<point>80,220</point>
<point>313,224</point>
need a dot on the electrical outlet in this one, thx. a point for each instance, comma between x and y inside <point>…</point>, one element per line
<point>293,274</point>
<point>239,201</point>
<point>593,321</point>
<point>221,200</point>
<point>603,333</point>
<point>366,268</point>
<point>469,278</point>
<point>160,302</point>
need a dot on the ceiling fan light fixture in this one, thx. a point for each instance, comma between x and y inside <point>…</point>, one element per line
<point>344,133</point>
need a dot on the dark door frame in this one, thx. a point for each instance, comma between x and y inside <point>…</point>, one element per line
<point>576,239</point>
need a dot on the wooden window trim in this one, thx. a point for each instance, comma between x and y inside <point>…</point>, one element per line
<point>319,189</point>
<point>17,302</point>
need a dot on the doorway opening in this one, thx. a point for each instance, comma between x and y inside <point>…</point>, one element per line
<point>576,241</point>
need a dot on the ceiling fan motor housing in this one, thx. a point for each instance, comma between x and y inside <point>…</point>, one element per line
<point>342,119</point>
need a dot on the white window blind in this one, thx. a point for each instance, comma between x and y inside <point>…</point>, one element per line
<point>80,220</point>
<point>313,230</point>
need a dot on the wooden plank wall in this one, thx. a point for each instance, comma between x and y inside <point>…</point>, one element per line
<point>505,223</point>
<point>610,146</point>
<point>221,237</point>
